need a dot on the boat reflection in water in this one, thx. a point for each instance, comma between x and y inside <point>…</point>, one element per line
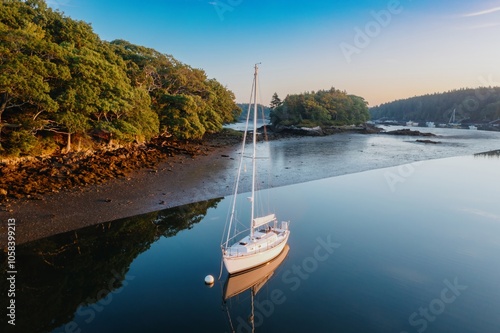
<point>253,280</point>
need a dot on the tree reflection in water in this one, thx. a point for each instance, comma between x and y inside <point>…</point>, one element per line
<point>58,274</point>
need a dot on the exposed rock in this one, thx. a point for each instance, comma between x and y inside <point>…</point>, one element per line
<point>428,141</point>
<point>370,129</point>
<point>409,132</point>
<point>302,131</point>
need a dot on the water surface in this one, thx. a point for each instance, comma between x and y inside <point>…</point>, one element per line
<point>322,157</point>
<point>401,249</point>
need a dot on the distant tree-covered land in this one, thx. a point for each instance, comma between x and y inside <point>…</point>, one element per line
<point>321,108</point>
<point>262,111</point>
<point>480,105</point>
<point>60,84</point>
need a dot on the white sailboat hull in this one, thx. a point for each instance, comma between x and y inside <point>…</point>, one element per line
<point>235,263</point>
<point>255,278</point>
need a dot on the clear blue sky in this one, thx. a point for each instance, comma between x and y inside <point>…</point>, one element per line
<point>380,50</point>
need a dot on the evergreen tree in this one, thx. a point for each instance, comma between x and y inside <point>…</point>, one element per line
<point>275,101</point>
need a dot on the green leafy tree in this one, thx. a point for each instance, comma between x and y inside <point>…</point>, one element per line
<point>26,69</point>
<point>187,102</point>
<point>58,76</point>
<point>180,114</point>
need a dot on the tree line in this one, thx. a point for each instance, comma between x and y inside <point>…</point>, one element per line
<point>262,111</point>
<point>321,108</point>
<point>478,105</point>
<point>60,84</point>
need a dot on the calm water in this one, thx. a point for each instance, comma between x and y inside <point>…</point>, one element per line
<point>412,248</point>
<point>312,158</point>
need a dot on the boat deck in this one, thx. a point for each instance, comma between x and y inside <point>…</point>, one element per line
<point>262,240</point>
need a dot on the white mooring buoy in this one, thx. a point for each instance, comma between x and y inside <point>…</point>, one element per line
<point>209,279</point>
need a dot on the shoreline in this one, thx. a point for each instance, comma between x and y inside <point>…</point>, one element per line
<point>185,179</point>
<point>174,182</point>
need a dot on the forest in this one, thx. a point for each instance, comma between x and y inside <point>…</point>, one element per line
<point>61,86</point>
<point>262,111</point>
<point>480,105</point>
<point>321,108</point>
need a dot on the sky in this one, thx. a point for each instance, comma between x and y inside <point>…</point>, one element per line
<point>379,50</point>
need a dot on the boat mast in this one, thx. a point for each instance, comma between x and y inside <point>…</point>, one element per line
<point>254,159</point>
<point>452,118</point>
<point>240,167</point>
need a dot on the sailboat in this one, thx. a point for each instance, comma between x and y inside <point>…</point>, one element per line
<point>452,122</point>
<point>265,238</point>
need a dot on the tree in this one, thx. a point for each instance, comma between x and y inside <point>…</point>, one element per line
<point>27,67</point>
<point>275,101</point>
<point>182,96</point>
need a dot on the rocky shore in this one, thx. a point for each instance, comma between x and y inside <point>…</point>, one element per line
<point>321,131</point>
<point>33,178</point>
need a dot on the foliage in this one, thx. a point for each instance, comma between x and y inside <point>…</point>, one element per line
<point>187,102</point>
<point>325,107</point>
<point>58,76</point>
<point>473,105</point>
